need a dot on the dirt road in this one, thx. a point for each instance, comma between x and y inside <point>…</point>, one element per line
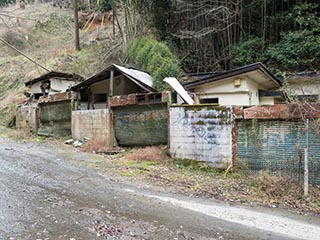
<point>50,192</point>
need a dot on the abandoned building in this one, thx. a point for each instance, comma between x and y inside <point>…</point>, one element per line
<point>113,81</point>
<point>245,86</point>
<point>48,111</point>
<point>230,127</point>
<point>303,86</point>
<point>51,83</point>
<point>118,106</point>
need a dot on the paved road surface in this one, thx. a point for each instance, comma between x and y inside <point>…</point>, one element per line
<point>49,192</point>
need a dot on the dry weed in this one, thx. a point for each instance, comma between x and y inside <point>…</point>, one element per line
<point>96,147</point>
<point>152,153</point>
<point>11,98</point>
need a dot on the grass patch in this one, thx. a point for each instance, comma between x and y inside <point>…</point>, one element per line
<point>151,154</point>
<point>199,179</point>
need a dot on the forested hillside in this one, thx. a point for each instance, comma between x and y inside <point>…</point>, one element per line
<point>210,35</point>
<point>169,37</point>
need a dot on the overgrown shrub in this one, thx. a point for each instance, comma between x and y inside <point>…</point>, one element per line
<point>249,51</point>
<point>155,57</point>
<point>15,39</point>
<point>105,5</point>
<point>56,24</point>
<point>297,51</point>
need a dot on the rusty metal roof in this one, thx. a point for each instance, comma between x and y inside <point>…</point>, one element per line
<point>234,72</point>
<point>54,74</point>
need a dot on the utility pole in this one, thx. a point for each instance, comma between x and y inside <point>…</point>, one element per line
<point>306,167</point>
<point>76,25</point>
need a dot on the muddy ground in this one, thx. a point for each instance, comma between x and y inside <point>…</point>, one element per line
<point>49,191</point>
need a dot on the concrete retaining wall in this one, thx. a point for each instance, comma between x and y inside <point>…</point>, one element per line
<point>26,118</point>
<point>202,133</point>
<point>92,124</point>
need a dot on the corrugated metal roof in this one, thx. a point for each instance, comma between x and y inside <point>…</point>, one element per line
<point>136,74</point>
<point>141,78</point>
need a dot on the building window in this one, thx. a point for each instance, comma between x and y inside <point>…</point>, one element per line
<point>308,98</point>
<point>209,100</point>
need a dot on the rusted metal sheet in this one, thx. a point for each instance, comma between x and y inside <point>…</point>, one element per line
<point>141,124</point>
<point>123,100</point>
<point>139,99</point>
<point>55,119</point>
<point>278,146</point>
<point>58,97</point>
<point>283,111</point>
<point>202,133</point>
<point>237,112</point>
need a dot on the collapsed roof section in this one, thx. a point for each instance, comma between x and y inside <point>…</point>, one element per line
<point>54,74</point>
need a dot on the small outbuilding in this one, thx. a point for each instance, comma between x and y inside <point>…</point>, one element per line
<point>245,86</point>
<point>303,86</point>
<point>115,80</point>
<point>51,83</point>
<point>119,106</point>
<point>48,112</point>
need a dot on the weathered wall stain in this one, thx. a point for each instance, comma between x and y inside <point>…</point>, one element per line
<point>277,146</point>
<point>92,124</point>
<point>26,117</point>
<point>55,119</point>
<point>141,124</point>
<point>202,133</point>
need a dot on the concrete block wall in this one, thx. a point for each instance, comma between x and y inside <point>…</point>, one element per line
<point>202,133</point>
<point>26,117</point>
<point>92,124</point>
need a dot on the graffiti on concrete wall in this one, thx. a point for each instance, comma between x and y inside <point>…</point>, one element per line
<point>201,133</point>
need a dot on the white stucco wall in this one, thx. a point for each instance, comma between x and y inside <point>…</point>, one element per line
<point>58,85</point>
<point>226,99</point>
<point>247,94</point>
<point>35,88</point>
<point>267,101</point>
<point>253,93</point>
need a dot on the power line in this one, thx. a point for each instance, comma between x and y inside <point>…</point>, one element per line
<point>17,50</point>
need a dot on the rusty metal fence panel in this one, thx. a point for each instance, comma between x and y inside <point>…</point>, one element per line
<point>278,147</point>
<point>141,125</point>
<point>55,119</point>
